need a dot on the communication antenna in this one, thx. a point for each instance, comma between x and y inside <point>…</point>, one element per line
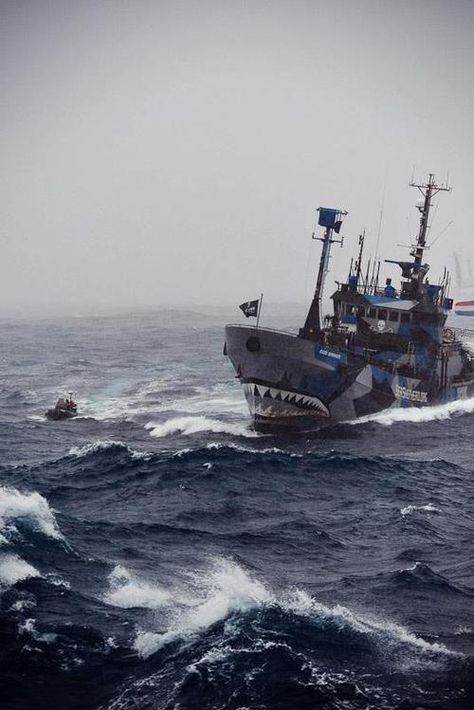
<point>428,190</point>
<point>382,206</point>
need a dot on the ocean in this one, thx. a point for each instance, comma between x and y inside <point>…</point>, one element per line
<point>157,552</point>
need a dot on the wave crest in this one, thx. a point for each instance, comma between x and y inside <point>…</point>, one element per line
<point>437,412</point>
<point>229,589</point>
<point>195,425</point>
<point>215,595</point>
<point>31,509</point>
<point>13,569</point>
<point>126,592</point>
<point>107,445</point>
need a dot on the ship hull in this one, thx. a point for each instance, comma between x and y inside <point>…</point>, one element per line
<point>287,378</point>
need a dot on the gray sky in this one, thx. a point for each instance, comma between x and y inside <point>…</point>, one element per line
<point>160,152</point>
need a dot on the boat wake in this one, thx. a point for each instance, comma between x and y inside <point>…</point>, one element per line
<point>419,414</point>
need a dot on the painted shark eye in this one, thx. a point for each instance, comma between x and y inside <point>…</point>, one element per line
<point>253,344</point>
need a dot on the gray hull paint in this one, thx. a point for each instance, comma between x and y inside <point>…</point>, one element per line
<point>289,377</point>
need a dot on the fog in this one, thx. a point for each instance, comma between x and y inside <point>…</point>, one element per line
<point>174,153</point>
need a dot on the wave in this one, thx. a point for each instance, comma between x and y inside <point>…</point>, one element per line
<point>29,627</point>
<point>195,425</point>
<point>108,445</point>
<point>127,593</point>
<point>382,631</point>
<point>217,401</point>
<point>409,509</point>
<point>422,574</point>
<point>29,509</point>
<point>13,569</point>
<point>228,589</point>
<point>216,445</point>
<point>212,597</point>
<point>438,412</point>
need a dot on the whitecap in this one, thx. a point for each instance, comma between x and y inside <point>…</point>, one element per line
<point>195,425</point>
<point>29,627</point>
<point>382,630</point>
<point>126,592</point>
<point>462,629</point>
<point>409,509</point>
<point>23,605</point>
<point>13,569</point>
<point>214,595</point>
<point>216,445</point>
<point>419,414</point>
<point>31,509</point>
<point>105,445</point>
<point>227,588</point>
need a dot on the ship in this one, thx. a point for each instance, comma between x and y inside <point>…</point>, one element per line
<point>381,348</point>
<point>65,408</point>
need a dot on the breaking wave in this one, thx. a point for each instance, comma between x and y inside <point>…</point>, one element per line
<point>211,598</point>
<point>107,445</point>
<point>438,412</point>
<point>195,425</point>
<point>29,509</point>
<point>229,589</point>
<point>13,569</point>
<point>126,592</point>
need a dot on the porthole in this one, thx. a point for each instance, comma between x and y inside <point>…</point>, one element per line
<point>253,344</point>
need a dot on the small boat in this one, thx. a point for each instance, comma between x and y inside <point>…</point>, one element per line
<point>63,409</point>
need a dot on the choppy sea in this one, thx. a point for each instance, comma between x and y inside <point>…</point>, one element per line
<point>157,552</point>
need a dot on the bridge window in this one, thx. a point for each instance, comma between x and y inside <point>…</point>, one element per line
<point>393,316</point>
<point>382,314</point>
<point>371,313</point>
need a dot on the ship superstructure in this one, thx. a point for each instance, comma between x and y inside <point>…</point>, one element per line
<point>382,346</point>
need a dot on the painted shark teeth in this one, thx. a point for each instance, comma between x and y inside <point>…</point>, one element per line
<point>295,398</point>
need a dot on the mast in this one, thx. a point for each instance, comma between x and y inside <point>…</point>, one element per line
<point>361,251</point>
<point>331,219</point>
<point>428,191</point>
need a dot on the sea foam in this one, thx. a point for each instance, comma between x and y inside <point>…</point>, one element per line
<point>428,508</point>
<point>419,414</point>
<point>195,425</point>
<point>127,592</point>
<point>13,569</point>
<point>107,445</point>
<point>30,509</point>
<point>385,632</point>
<point>212,596</point>
<point>227,588</point>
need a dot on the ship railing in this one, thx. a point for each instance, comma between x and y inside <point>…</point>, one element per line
<point>369,290</point>
<point>248,326</point>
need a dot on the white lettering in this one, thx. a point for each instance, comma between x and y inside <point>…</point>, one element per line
<point>411,394</point>
<point>330,354</point>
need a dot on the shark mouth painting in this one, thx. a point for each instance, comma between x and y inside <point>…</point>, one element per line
<point>307,403</point>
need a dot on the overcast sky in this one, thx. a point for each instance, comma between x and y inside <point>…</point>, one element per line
<point>160,152</point>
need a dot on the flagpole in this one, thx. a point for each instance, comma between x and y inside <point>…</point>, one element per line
<point>259,308</point>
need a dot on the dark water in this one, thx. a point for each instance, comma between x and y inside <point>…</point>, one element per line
<point>158,553</point>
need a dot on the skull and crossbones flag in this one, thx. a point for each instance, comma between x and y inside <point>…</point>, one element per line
<point>250,308</point>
